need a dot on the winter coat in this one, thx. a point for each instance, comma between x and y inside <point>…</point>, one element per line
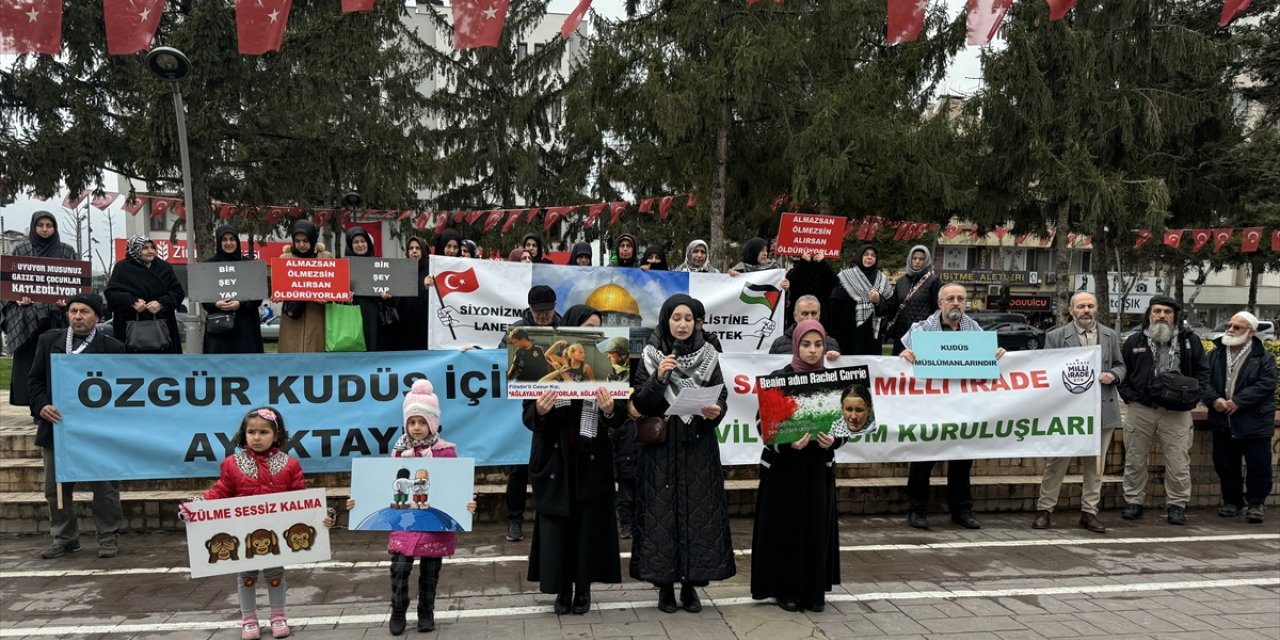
<point>919,306</point>
<point>807,278</point>
<point>565,467</point>
<point>131,281</point>
<point>1139,382</point>
<point>1067,336</point>
<point>424,544</point>
<point>247,473</point>
<point>304,334</point>
<point>1255,392</point>
<point>40,378</point>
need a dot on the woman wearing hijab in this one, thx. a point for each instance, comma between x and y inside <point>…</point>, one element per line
<point>519,255</point>
<point>575,536</point>
<point>915,296</point>
<point>25,320</point>
<point>628,253</point>
<point>681,531</point>
<point>377,313</point>
<point>302,323</point>
<point>580,256</point>
<point>470,249</point>
<point>655,259</point>
<point>795,557</point>
<point>144,287</point>
<point>533,244</point>
<point>449,243</point>
<point>410,333</point>
<point>850,315</point>
<point>697,259</point>
<point>755,257</point>
<point>245,333</point>
<point>810,275</point>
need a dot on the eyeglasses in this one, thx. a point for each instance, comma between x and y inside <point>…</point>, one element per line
<point>1239,327</point>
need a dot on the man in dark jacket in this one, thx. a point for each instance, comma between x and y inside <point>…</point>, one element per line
<point>1149,356</point>
<point>1241,397</point>
<point>807,307</point>
<point>83,312</point>
<point>914,298</point>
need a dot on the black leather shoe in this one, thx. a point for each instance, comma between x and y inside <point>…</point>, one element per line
<point>1131,512</point>
<point>1043,520</point>
<point>1229,510</point>
<point>967,521</point>
<point>396,626</point>
<point>917,520</point>
<point>1177,515</point>
<point>564,603</point>
<point>667,599</point>
<point>581,602</point>
<point>788,604</point>
<point>689,599</point>
<point>816,608</point>
<point>515,531</point>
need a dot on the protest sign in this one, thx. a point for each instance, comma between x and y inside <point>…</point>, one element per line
<point>214,281</point>
<point>573,361</point>
<point>256,532</point>
<point>42,279</point>
<point>376,276</point>
<point>310,280</point>
<point>412,494</point>
<point>793,404</point>
<point>802,233</point>
<point>955,354</point>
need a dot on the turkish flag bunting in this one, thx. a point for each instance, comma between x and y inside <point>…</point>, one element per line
<point>1201,238</point>
<point>646,205</point>
<point>472,216</point>
<point>459,216</point>
<point>133,205</point>
<point>103,201</point>
<point>370,214</point>
<point>405,215</point>
<point>1221,237</point>
<point>1173,238</point>
<point>131,24</point>
<point>898,228</point>
<point>31,26</point>
<point>298,212</point>
<point>442,221</point>
<point>478,23</point>
<point>1001,232</point>
<point>1250,238</point>
<point>985,17</point>
<point>951,231</point>
<point>274,215</point>
<point>778,202</point>
<point>421,220</point>
<point>512,216</point>
<point>354,6</point>
<point>260,25</point>
<point>72,200</point>
<point>456,282</point>
<point>905,19</point>
<point>575,19</point>
<point>323,216</point>
<point>593,214</point>
<point>1275,239</point>
<point>692,201</point>
<point>1059,8</point>
<point>664,207</point>
<point>492,221</point>
<point>616,209</point>
<point>1229,10</point>
<point>533,213</point>
<point>862,230</point>
<point>180,210</point>
<point>554,214</point>
<point>1143,237</point>
<point>160,206</point>
<point>1048,240</point>
<point>1020,238</point>
<point>227,211</point>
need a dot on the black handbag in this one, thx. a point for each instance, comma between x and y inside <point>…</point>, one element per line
<point>147,335</point>
<point>1177,392</point>
<point>219,322</point>
<point>387,315</point>
<point>651,430</point>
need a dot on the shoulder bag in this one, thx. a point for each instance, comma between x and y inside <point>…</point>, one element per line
<point>651,430</point>
<point>147,335</point>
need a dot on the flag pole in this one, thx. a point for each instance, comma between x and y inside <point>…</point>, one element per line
<point>440,297</point>
<point>772,312</point>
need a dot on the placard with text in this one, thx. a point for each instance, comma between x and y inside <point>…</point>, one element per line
<point>214,281</point>
<point>802,233</point>
<point>376,276</point>
<point>803,402</point>
<point>310,280</point>
<point>42,279</point>
<point>256,532</point>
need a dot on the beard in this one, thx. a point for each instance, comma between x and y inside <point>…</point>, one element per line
<point>1234,341</point>
<point>1084,321</point>
<point>1160,332</point>
<point>953,315</point>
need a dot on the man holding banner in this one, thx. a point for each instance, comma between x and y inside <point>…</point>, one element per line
<point>1084,331</point>
<point>950,316</point>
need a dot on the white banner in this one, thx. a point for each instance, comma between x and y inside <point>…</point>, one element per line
<point>1045,404</point>
<point>474,301</point>
<point>257,532</point>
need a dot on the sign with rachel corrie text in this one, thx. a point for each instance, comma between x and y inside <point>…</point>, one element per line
<point>256,532</point>
<point>803,402</point>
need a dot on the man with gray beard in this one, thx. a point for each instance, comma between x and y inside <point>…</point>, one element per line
<point>1241,396</point>
<point>1160,348</point>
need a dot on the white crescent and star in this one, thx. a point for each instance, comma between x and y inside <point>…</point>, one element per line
<point>447,281</point>
<point>490,13</point>
<point>33,15</point>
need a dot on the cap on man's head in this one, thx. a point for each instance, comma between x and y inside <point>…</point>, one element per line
<point>618,344</point>
<point>1164,301</point>
<point>519,334</point>
<point>542,298</point>
<point>91,300</point>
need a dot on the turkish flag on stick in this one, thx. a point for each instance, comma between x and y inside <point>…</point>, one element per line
<point>1229,10</point>
<point>353,6</point>
<point>905,19</point>
<point>1251,238</point>
<point>131,24</point>
<point>1173,238</point>
<point>456,282</point>
<point>985,17</point>
<point>1221,237</point>
<point>31,26</point>
<point>478,23</point>
<point>1059,8</point>
<point>575,19</point>
<point>260,25</point>
<point>1200,238</point>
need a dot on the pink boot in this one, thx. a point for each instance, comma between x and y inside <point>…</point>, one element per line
<point>279,624</point>
<point>249,627</point>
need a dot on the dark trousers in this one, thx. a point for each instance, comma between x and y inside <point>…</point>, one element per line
<point>517,492</point>
<point>626,502</point>
<point>428,580</point>
<point>959,495</point>
<point>1256,453</point>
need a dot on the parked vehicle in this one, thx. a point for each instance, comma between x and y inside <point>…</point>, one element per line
<point>271,329</point>
<point>1266,331</point>
<point>1017,336</point>
<point>984,318</point>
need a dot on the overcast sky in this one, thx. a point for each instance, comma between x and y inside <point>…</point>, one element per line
<point>962,79</point>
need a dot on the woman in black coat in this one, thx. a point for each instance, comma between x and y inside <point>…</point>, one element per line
<point>411,332</point>
<point>681,532</point>
<point>245,335</point>
<point>24,320</point>
<point>575,538</point>
<point>850,315</point>
<point>144,287</point>
<point>374,310</point>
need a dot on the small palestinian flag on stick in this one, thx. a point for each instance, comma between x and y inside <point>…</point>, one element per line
<point>764,294</point>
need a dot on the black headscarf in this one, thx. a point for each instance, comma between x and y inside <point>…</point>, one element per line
<point>443,239</point>
<point>44,247</point>
<point>578,314</point>
<point>751,251</point>
<point>540,256</point>
<point>424,260</point>
<point>634,260</point>
<point>668,343</point>
<point>580,248</point>
<point>218,254</point>
<point>352,234</point>
<point>309,229</point>
<point>655,250</point>
<point>869,272</point>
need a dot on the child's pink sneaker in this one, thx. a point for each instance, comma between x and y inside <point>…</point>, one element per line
<point>279,627</point>
<point>249,630</point>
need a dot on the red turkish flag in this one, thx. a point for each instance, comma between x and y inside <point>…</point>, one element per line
<point>353,6</point>
<point>593,214</point>
<point>492,221</point>
<point>985,17</point>
<point>862,230</point>
<point>1048,240</point>
<point>692,201</point>
<point>73,200</point>
<point>274,215</point>
<point>906,17</point>
<point>31,26</point>
<point>160,206</point>
<point>323,216</point>
<point>405,215</point>
<point>421,220</point>
<point>448,282</point>
<point>227,211</point>
<point>616,209</point>
<point>478,23</point>
<point>574,20</point>
<point>664,207</point>
<point>1020,238</point>
<point>103,201</point>
<point>442,221</point>
<point>512,216</point>
<point>1201,238</point>
<point>1001,232</point>
<point>533,213</point>
<point>1143,237</point>
<point>1221,237</point>
<point>1275,239</point>
<point>951,231</point>
<point>133,206</point>
<point>646,205</point>
<point>1229,10</point>
<point>1059,8</point>
<point>554,214</point>
<point>1173,238</point>
<point>180,210</point>
<point>472,216</point>
<point>131,24</point>
<point>260,25</point>
<point>1250,238</point>
<point>459,215</point>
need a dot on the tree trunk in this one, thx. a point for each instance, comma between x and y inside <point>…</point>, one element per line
<point>718,178</point>
<point>1255,274</point>
<point>1063,254</point>
<point>1102,284</point>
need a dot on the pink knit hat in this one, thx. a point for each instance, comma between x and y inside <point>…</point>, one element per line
<point>422,401</point>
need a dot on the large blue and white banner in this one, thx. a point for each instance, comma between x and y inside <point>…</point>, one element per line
<point>150,417</point>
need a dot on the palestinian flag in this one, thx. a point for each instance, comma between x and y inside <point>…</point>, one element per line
<point>765,294</point>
